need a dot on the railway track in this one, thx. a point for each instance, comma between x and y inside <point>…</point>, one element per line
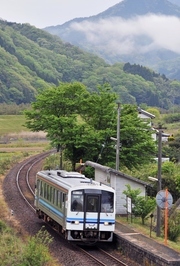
<point>102,257</point>
<point>25,183</point>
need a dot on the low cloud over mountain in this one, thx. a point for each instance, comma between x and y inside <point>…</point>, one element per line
<point>120,36</point>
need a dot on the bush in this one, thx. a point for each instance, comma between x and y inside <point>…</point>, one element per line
<point>36,251</point>
<point>10,251</point>
<point>173,230</point>
<point>171,118</point>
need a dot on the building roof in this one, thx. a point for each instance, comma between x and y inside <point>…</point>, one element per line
<point>141,111</point>
<point>118,173</point>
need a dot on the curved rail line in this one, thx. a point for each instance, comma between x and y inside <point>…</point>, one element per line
<point>98,255</point>
<point>31,162</point>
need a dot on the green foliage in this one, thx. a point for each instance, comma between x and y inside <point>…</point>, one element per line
<point>154,111</point>
<point>142,206</point>
<point>32,60</point>
<point>173,148</point>
<point>3,226</point>
<point>138,146</point>
<point>5,163</point>
<point>170,177</point>
<point>132,193</point>
<point>10,251</point>
<point>171,118</point>
<point>15,253</point>
<point>81,125</point>
<point>36,251</point>
<point>174,226</point>
<point>140,70</point>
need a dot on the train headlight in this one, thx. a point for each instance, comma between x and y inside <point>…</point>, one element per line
<point>75,222</point>
<point>106,223</point>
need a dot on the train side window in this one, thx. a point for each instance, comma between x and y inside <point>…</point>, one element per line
<point>54,196</point>
<point>45,191</point>
<point>63,197</point>
<point>41,188</point>
<point>51,198</point>
<point>59,198</point>
<point>48,194</point>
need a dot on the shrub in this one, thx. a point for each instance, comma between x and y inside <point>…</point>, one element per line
<point>36,251</point>
<point>173,230</point>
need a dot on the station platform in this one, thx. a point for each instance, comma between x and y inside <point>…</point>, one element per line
<point>144,250</point>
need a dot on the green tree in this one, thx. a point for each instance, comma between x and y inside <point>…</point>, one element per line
<point>142,206</point>
<point>138,147</point>
<point>55,111</point>
<point>83,123</point>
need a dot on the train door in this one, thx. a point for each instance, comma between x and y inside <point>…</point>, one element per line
<point>92,200</point>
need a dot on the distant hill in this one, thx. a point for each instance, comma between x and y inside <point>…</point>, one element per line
<point>32,60</point>
<point>120,34</point>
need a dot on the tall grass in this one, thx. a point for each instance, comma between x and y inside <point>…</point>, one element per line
<point>33,251</point>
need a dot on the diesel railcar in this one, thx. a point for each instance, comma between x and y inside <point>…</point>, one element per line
<point>80,208</point>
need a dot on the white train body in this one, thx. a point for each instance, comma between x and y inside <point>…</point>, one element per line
<point>78,207</point>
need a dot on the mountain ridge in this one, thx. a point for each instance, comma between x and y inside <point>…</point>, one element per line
<point>32,60</point>
<point>162,60</point>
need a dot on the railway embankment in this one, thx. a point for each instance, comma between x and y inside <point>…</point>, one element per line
<point>144,250</point>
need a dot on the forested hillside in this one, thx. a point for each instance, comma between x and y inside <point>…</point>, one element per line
<point>32,59</point>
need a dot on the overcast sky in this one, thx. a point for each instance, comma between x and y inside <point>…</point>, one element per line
<point>43,13</point>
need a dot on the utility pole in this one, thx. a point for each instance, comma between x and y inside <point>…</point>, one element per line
<point>118,137</point>
<point>158,226</point>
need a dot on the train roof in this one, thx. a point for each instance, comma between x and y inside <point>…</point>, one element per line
<point>71,180</point>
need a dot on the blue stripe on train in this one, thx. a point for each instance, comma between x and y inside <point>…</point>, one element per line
<point>51,208</point>
<point>89,220</point>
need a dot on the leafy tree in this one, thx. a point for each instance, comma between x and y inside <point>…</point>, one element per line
<point>137,144</point>
<point>154,111</point>
<point>55,112</point>
<point>132,193</point>
<point>83,123</point>
<point>142,206</point>
<point>100,111</point>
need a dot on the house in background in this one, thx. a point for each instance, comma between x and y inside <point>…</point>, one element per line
<point>145,115</point>
<point>148,117</point>
<point>118,181</point>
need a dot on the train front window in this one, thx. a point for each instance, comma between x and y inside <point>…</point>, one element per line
<point>92,203</point>
<point>107,202</point>
<point>77,200</point>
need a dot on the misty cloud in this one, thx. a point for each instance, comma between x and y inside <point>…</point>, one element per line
<point>141,34</point>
